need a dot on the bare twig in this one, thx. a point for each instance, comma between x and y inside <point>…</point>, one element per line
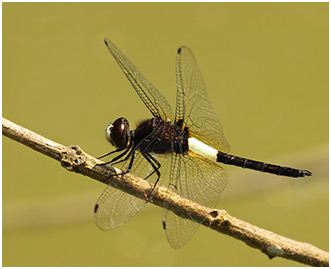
<point>74,159</point>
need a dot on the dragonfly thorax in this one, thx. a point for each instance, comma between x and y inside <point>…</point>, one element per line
<point>159,136</point>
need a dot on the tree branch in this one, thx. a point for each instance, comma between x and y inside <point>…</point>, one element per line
<point>74,159</point>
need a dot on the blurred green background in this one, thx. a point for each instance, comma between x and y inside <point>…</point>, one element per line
<point>266,70</point>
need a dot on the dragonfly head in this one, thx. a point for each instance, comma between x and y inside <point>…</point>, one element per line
<point>118,133</point>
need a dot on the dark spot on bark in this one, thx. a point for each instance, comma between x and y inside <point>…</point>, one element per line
<point>213,214</point>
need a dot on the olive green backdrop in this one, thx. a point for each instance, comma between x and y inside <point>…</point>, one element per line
<point>266,70</point>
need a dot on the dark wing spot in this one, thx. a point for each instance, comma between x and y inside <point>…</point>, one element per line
<point>179,50</point>
<point>106,42</point>
<point>96,208</point>
<point>164,225</point>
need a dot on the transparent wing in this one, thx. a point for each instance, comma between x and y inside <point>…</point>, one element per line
<point>152,98</point>
<point>199,180</point>
<point>193,105</point>
<point>115,207</point>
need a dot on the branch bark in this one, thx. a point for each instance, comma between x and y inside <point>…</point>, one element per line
<point>74,159</point>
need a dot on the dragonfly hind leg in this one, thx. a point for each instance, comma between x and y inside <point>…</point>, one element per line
<point>156,166</point>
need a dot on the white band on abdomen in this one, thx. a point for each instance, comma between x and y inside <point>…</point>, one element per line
<point>202,149</point>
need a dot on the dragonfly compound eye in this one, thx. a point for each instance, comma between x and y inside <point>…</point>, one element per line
<point>118,133</point>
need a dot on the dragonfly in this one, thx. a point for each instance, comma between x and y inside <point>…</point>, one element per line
<point>191,140</point>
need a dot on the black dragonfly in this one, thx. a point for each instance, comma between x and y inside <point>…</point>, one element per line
<point>192,140</point>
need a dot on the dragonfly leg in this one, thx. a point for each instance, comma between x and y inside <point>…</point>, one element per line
<point>109,153</point>
<point>118,157</point>
<point>113,161</point>
<point>156,166</point>
<point>131,154</point>
<point>150,160</point>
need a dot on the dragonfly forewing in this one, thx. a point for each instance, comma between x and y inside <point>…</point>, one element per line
<point>151,97</point>
<point>193,105</point>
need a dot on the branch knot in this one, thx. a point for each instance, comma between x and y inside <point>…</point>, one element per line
<point>72,158</point>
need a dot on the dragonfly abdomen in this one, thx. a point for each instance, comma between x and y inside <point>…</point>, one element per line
<point>261,166</point>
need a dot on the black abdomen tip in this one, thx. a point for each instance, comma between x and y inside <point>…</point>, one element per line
<point>96,208</point>
<point>179,50</point>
